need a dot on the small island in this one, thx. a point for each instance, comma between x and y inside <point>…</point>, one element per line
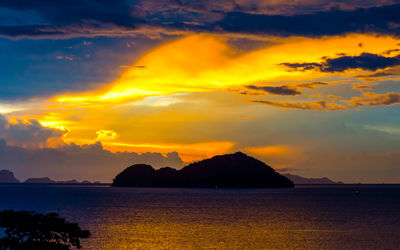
<point>236,170</point>
<point>7,176</point>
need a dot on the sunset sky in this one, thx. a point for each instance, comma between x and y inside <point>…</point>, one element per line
<point>310,87</point>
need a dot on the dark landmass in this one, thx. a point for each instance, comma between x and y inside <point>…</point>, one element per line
<point>85,182</point>
<point>231,170</point>
<point>303,180</point>
<point>70,182</point>
<point>7,176</point>
<point>39,180</point>
<point>46,180</point>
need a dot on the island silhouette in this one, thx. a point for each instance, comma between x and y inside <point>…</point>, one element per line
<point>236,170</point>
<point>311,181</point>
<point>164,177</point>
<point>7,176</point>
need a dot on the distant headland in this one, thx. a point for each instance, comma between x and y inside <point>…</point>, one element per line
<point>6,176</point>
<point>230,170</point>
<point>311,181</point>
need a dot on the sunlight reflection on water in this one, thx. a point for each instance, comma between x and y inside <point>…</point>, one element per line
<point>150,218</point>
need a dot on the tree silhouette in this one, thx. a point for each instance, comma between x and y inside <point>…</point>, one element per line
<point>30,230</point>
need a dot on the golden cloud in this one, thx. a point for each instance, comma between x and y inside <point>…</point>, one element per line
<point>166,97</point>
<point>106,135</point>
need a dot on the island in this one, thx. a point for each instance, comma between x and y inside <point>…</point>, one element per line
<point>43,180</point>
<point>47,180</point>
<point>236,170</point>
<point>7,176</point>
<point>311,181</point>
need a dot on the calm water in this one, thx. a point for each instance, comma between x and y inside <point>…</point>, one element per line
<point>311,217</point>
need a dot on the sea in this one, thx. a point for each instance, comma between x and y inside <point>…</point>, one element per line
<point>305,217</point>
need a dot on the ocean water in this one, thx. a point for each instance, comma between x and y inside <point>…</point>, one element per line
<point>306,217</point>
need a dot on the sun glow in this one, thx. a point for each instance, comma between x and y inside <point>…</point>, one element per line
<point>171,74</point>
<point>200,63</point>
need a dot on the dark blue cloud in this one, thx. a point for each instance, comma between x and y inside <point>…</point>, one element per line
<point>276,90</point>
<point>63,12</point>
<point>286,89</point>
<point>383,20</point>
<point>36,62</point>
<point>29,31</point>
<point>62,18</point>
<point>365,61</point>
<point>93,17</point>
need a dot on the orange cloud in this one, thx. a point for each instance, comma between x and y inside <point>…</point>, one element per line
<point>334,97</point>
<point>166,97</point>
<point>321,105</point>
<point>289,89</point>
<point>369,99</point>
<point>204,62</point>
<point>362,87</point>
<point>106,135</point>
<point>373,99</point>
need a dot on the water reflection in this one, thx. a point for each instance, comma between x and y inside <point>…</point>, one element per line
<point>317,217</point>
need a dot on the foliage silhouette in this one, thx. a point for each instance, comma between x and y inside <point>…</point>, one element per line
<point>30,230</point>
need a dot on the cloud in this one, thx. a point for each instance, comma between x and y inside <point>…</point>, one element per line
<point>71,161</point>
<point>311,85</point>
<point>368,99</point>
<point>395,71</point>
<point>381,20</point>
<point>286,89</point>
<point>362,87</point>
<point>373,99</point>
<point>365,61</point>
<point>88,30</point>
<point>276,7</point>
<point>334,97</point>
<point>64,12</point>
<point>384,128</point>
<point>27,133</point>
<point>389,51</point>
<point>321,105</point>
<point>106,135</point>
<point>68,58</point>
<point>89,18</point>
<point>276,90</point>
<point>22,31</point>
<point>302,66</point>
<point>71,18</point>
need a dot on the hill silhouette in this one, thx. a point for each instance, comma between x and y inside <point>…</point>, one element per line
<point>7,176</point>
<point>47,180</point>
<point>42,180</point>
<point>231,170</point>
<point>303,180</point>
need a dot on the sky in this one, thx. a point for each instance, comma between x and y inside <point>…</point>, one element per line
<point>310,87</point>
